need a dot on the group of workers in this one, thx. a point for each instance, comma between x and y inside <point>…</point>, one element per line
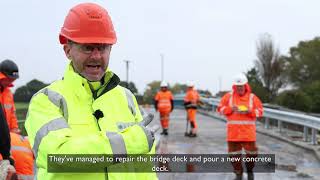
<point>88,112</point>
<point>164,105</point>
<point>241,108</point>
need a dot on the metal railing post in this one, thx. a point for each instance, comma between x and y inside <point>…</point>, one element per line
<point>305,133</point>
<point>267,123</point>
<point>279,125</point>
<point>314,140</point>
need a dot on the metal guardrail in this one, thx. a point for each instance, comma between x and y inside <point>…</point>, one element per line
<point>307,121</point>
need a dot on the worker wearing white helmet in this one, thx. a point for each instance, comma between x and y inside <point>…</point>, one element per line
<point>191,101</point>
<point>164,104</point>
<point>241,108</point>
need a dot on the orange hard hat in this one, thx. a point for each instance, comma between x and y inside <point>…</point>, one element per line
<point>88,23</point>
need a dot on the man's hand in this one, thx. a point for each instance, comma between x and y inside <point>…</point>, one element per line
<point>235,109</point>
<point>16,130</point>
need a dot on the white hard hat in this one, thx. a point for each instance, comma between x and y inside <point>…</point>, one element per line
<point>190,84</point>
<point>164,84</point>
<point>240,80</point>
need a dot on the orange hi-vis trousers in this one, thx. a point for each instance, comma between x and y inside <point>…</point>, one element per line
<point>192,117</point>
<point>235,150</point>
<point>164,119</point>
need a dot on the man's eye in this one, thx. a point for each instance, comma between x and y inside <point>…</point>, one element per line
<point>88,48</point>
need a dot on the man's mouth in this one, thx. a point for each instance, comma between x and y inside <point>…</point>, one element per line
<point>93,66</point>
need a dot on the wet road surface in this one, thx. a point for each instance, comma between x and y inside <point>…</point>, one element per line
<point>291,162</point>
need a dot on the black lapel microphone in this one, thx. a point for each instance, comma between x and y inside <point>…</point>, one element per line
<point>98,114</point>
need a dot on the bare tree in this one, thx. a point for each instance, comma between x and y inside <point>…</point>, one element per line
<point>269,65</point>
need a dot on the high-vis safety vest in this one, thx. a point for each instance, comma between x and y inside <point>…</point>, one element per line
<point>7,102</point>
<point>23,156</point>
<point>241,126</point>
<point>67,118</point>
<point>192,97</point>
<point>164,101</point>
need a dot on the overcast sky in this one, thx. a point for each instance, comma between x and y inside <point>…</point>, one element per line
<point>201,40</point>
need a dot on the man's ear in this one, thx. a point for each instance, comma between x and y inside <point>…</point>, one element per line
<point>67,49</point>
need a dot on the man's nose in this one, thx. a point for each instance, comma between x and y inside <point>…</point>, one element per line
<point>96,54</point>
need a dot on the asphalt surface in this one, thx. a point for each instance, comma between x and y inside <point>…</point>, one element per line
<point>291,162</point>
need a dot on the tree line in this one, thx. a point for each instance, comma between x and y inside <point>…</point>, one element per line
<point>25,93</point>
<point>291,80</point>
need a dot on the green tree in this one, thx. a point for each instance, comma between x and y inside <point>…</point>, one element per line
<point>178,88</point>
<point>295,99</point>
<point>25,93</point>
<point>131,86</point>
<point>256,85</point>
<point>303,63</point>
<point>150,92</point>
<point>312,90</point>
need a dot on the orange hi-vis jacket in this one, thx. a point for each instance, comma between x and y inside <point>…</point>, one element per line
<point>6,99</point>
<point>241,126</point>
<point>192,97</point>
<point>164,99</point>
<point>22,155</point>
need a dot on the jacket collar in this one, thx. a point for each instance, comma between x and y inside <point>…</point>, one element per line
<point>75,80</point>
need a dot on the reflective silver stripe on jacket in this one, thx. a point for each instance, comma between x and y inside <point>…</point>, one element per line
<point>25,177</point>
<point>222,109</point>
<point>117,143</point>
<point>57,99</point>
<point>21,148</point>
<point>53,125</point>
<point>7,106</point>
<point>35,169</point>
<point>122,125</point>
<point>131,105</point>
<point>257,113</point>
<point>147,118</point>
<point>231,99</point>
<point>251,101</point>
<point>241,122</point>
<point>150,137</point>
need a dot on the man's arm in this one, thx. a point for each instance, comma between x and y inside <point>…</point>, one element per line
<point>257,110</point>
<point>223,106</point>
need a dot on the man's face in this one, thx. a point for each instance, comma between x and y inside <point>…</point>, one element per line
<point>89,60</point>
<point>5,82</point>
<point>240,90</point>
<point>164,88</point>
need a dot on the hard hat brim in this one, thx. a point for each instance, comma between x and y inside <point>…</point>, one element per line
<point>239,84</point>
<point>98,40</point>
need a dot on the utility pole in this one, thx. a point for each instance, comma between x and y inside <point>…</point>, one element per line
<point>127,69</point>
<point>220,83</point>
<point>162,67</point>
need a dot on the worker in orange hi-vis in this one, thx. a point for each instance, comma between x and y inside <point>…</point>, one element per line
<point>164,104</point>
<point>8,74</point>
<point>191,101</point>
<point>22,157</point>
<point>241,108</point>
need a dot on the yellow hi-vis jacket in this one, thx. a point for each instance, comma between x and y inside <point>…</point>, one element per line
<point>60,120</point>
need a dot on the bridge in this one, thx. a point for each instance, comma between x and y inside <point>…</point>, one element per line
<point>290,136</point>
